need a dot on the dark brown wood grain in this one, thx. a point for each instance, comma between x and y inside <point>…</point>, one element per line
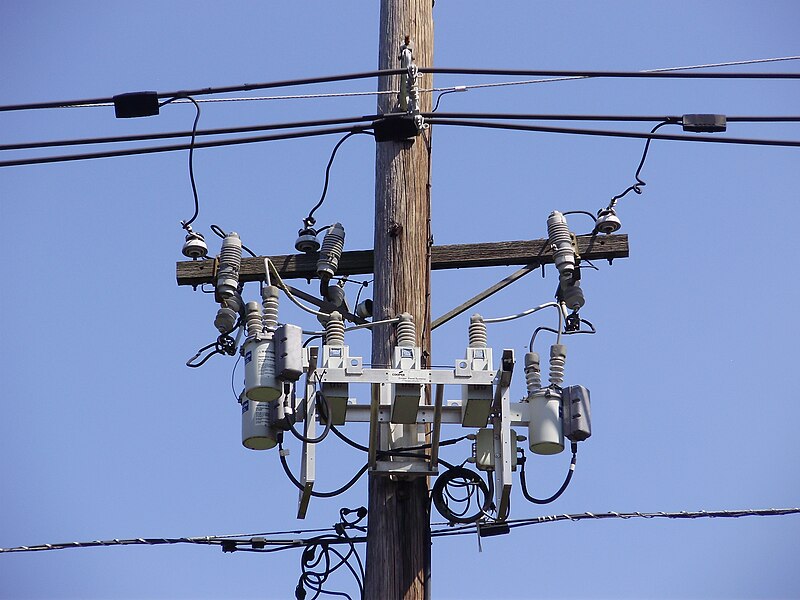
<point>457,256</point>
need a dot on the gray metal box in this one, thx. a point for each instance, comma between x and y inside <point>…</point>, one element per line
<point>577,414</point>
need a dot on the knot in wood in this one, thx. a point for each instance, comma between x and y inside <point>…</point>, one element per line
<point>395,229</point>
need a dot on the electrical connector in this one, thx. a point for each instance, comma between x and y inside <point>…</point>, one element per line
<point>136,104</point>
<point>704,123</point>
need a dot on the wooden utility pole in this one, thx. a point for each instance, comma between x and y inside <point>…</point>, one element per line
<point>398,539</point>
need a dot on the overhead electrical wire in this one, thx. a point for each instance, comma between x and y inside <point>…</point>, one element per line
<point>604,133</point>
<point>463,530</point>
<point>610,118</point>
<point>345,120</point>
<point>464,88</point>
<point>173,148</point>
<point>145,137</point>
<point>432,121</point>
<point>247,87</point>
<point>459,88</point>
<point>671,72</point>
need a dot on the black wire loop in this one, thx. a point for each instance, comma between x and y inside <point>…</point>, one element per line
<point>320,559</point>
<point>187,225</point>
<point>523,484</point>
<point>224,344</point>
<point>640,183</point>
<point>468,482</point>
<point>310,221</point>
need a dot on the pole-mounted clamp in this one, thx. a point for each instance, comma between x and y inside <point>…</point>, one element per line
<point>409,89</point>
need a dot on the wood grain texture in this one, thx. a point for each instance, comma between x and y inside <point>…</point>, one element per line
<point>456,256</point>
<point>398,536</point>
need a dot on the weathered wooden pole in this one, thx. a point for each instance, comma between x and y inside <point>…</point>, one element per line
<point>398,540</point>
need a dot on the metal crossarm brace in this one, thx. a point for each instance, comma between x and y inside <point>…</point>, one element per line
<point>308,471</point>
<point>501,424</point>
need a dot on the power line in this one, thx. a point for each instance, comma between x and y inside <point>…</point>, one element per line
<point>368,118</point>
<point>668,74</point>
<point>211,90</point>
<point>586,516</point>
<point>609,118</point>
<point>661,74</point>
<point>157,149</point>
<point>287,543</point>
<point>433,121</point>
<point>465,88</point>
<point>177,134</point>
<point>263,98</point>
<point>596,132</point>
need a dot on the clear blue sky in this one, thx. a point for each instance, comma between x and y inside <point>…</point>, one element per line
<point>104,433</point>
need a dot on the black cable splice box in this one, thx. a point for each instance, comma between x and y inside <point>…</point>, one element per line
<point>136,104</point>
